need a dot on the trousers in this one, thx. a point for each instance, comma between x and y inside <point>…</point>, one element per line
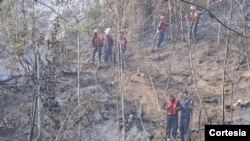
<point>107,53</point>
<point>184,123</point>
<point>193,29</point>
<point>172,125</point>
<point>95,50</point>
<point>160,38</point>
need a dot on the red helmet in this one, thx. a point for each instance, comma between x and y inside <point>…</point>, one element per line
<point>162,17</point>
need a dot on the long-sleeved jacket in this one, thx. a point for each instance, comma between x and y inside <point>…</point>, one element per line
<point>107,40</point>
<point>186,107</point>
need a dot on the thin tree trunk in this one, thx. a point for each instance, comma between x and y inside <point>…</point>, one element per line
<point>218,42</point>
<point>78,85</point>
<point>121,77</point>
<point>123,111</point>
<point>170,66</point>
<point>232,96</point>
<point>208,1</point>
<point>24,15</point>
<point>218,37</point>
<point>170,18</point>
<point>181,21</point>
<point>245,32</point>
<point>195,82</point>
<point>39,97</point>
<point>225,63</point>
<point>63,124</point>
<point>34,108</point>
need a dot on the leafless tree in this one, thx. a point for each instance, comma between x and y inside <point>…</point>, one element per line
<point>225,62</point>
<point>245,32</point>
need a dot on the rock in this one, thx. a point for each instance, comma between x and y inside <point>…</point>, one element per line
<point>129,122</point>
<point>237,103</point>
<point>210,99</point>
<point>229,108</point>
<point>50,104</point>
<point>242,104</point>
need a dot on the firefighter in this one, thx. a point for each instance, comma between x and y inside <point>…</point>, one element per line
<point>186,103</point>
<point>108,43</point>
<point>161,28</point>
<point>96,44</point>
<point>194,21</point>
<point>173,106</point>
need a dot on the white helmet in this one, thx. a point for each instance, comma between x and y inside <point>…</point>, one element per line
<point>192,7</point>
<point>107,30</point>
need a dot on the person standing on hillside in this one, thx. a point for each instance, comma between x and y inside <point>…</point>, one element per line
<point>172,107</point>
<point>187,104</point>
<point>108,42</point>
<point>96,44</point>
<point>161,28</point>
<point>194,21</point>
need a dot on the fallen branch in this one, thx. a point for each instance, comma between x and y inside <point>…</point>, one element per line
<point>152,84</point>
<point>2,138</point>
<point>139,110</point>
<point>58,135</point>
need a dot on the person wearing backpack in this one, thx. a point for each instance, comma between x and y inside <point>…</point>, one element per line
<point>108,43</point>
<point>96,44</point>
<point>161,28</point>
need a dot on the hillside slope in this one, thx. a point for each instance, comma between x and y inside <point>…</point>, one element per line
<point>106,91</point>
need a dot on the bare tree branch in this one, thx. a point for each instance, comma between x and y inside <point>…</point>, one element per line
<point>52,10</point>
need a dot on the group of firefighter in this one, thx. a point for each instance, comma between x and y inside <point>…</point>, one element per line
<point>107,43</point>
<point>110,51</point>
<point>185,104</point>
<point>171,105</point>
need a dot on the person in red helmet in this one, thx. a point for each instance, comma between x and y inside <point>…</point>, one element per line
<point>96,44</point>
<point>161,28</point>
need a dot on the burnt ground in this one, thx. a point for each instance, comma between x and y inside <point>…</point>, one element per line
<point>143,85</point>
